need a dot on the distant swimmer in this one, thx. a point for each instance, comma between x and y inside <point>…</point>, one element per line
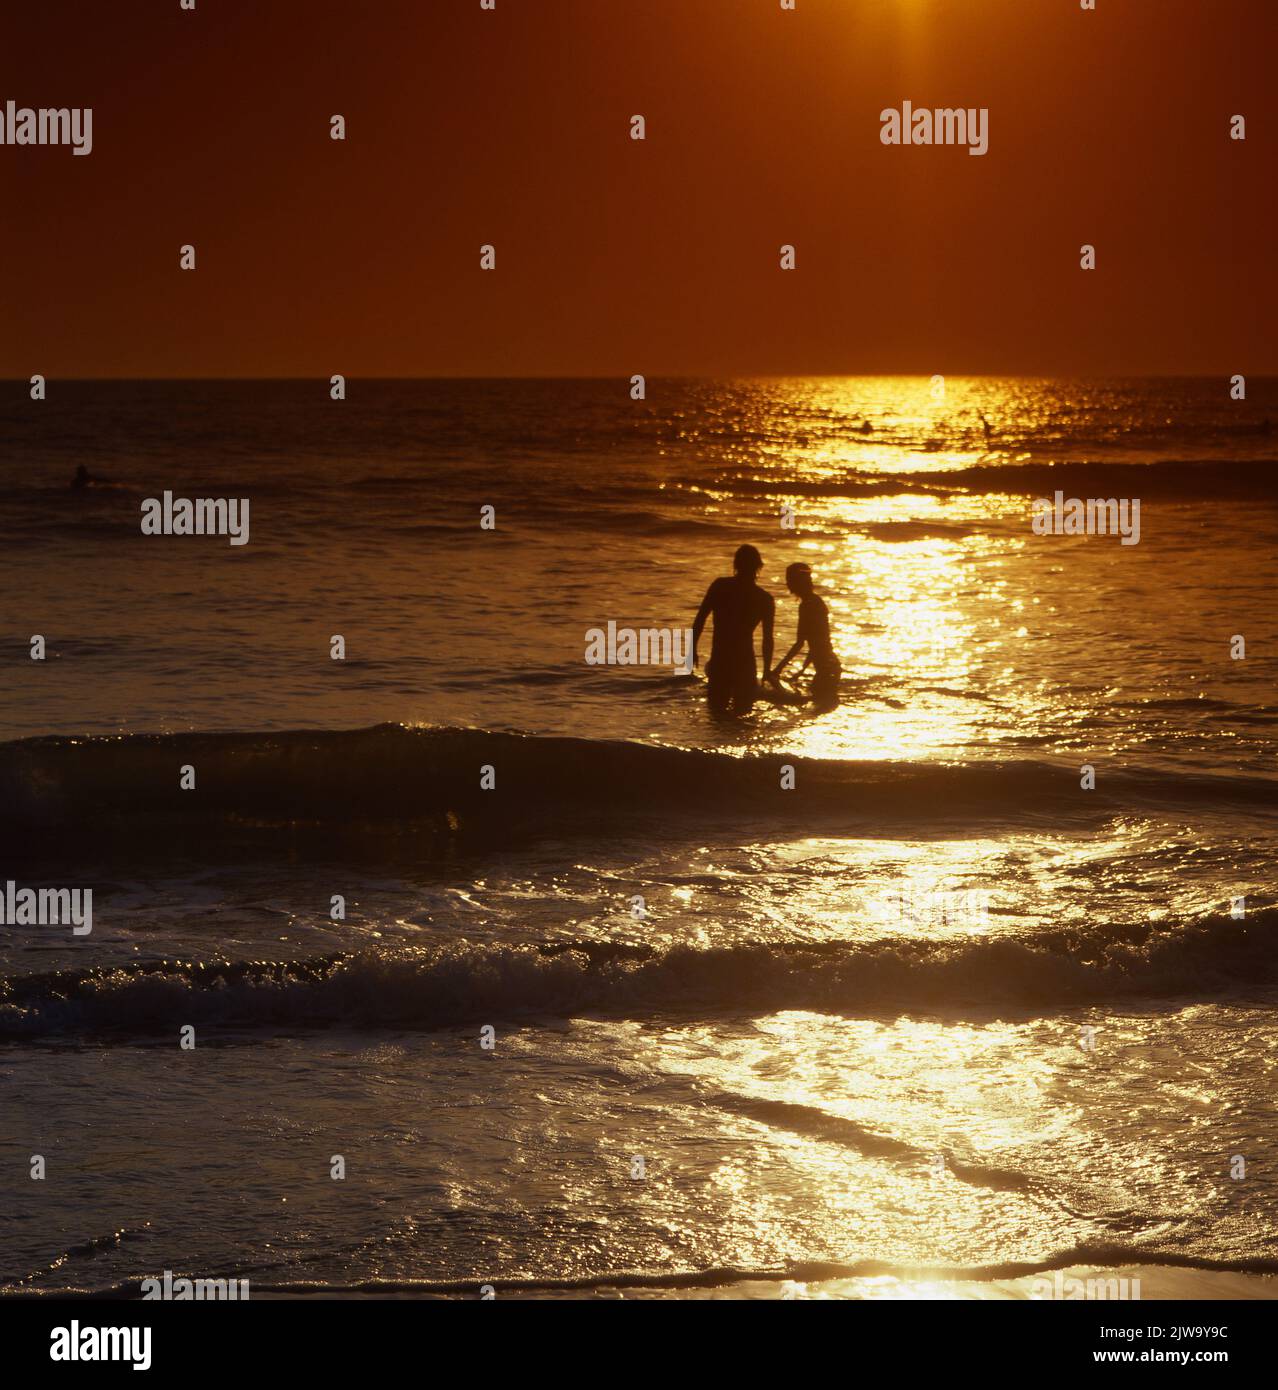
<point>814,633</point>
<point>866,427</point>
<point>985,425</point>
<point>83,478</point>
<point>738,605</point>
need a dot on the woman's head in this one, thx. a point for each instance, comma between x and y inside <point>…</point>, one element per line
<point>798,578</point>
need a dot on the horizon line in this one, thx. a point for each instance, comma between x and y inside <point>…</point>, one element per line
<point>676,376</point>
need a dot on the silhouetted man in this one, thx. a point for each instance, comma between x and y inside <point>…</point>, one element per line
<point>738,606</point>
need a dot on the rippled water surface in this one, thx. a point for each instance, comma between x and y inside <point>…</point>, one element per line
<point>936,1005</point>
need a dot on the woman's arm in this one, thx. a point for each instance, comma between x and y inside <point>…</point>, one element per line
<point>786,659</point>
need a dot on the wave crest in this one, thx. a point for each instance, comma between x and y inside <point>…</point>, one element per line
<point>471,984</point>
<point>390,779</point>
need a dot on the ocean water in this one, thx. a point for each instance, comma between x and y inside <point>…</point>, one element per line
<point>936,1006</point>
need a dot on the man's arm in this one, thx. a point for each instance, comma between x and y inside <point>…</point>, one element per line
<point>769,613</point>
<point>699,622</point>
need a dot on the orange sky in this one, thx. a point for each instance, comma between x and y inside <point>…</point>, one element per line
<point>660,257</point>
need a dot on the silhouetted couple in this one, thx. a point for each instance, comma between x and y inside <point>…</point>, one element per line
<point>738,606</point>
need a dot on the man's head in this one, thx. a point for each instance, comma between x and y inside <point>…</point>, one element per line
<point>747,562</point>
<point>798,579</point>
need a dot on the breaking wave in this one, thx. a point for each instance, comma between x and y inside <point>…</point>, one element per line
<point>470,983</point>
